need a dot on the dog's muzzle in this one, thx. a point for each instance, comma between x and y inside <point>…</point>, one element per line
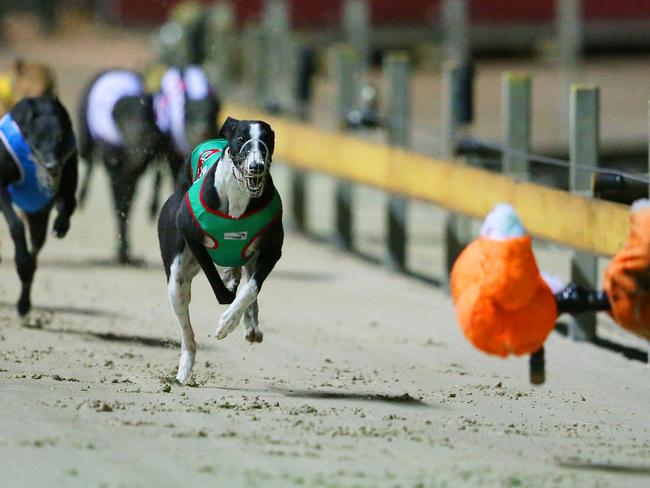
<point>49,171</point>
<point>251,173</point>
<point>48,180</point>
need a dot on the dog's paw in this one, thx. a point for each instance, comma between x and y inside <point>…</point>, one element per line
<point>182,377</point>
<point>24,306</point>
<point>254,335</point>
<point>61,226</point>
<point>227,323</point>
<point>185,367</point>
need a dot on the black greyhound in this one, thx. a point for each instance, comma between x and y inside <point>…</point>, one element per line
<point>226,211</point>
<point>38,170</point>
<point>127,129</point>
<point>117,127</point>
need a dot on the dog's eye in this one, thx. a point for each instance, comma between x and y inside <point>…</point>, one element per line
<point>240,139</point>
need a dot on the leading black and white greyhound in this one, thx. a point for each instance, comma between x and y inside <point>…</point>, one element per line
<point>236,186</point>
<point>38,170</point>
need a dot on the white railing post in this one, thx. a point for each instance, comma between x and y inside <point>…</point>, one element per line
<point>457,230</point>
<point>346,70</point>
<point>516,116</point>
<point>358,29</point>
<point>568,46</point>
<point>398,78</point>
<point>276,57</point>
<point>584,138</point>
<point>456,28</point>
<point>220,45</point>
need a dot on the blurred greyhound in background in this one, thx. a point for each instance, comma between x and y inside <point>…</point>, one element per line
<point>25,79</point>
<point>117,127</point>
<point>129,129</point>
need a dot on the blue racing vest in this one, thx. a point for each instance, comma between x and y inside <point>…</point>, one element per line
<point>26,193</point>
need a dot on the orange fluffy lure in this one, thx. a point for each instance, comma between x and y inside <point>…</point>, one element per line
<point>627,278</point>
<point>502,303</point>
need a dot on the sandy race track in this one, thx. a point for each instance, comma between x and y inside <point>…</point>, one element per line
<point>363,380</point>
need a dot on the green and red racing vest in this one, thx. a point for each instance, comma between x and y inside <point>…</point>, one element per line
<point>227,238</point>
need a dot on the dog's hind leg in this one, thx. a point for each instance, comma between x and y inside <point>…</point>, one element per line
<point>251,315</point>
<point>37,225</point>
<point>157,185</point>
<point>252,323</point>
<point>257,269</point>
<point>123,193</point>
<point>85,184</point>
<point>25,264</point>
<point>183,268</point>
<point>247,299</point>
<point>231,278</point>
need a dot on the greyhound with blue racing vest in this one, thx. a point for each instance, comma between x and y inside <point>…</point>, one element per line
<point>224,212</point>
<point>38,170</point>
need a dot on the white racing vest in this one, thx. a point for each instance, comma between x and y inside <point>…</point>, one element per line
<point>104,94</point>
<point>177,85</point>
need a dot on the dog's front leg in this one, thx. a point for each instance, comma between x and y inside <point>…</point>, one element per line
<point>25,263</point>
<point>193,238</point>
<point>223,294</point>
<point>179,286</point>
<point>251,314</point>
<point>66,199</point>
<point>269,254</point>
<point>231,317</point>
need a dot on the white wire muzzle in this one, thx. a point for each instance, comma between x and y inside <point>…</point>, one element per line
<point>250,181</point>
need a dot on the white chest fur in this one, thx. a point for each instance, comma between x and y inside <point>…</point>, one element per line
<point>233,200</point>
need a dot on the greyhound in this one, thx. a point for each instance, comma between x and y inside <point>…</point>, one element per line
<point>25,79</point>
<point>117,127</point>
<point>128,129</point>
<point>225,211</point>
<point>38,170</point>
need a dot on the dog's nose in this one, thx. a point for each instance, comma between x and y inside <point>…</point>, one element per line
<point>50,164</point>
<point>256,168</point>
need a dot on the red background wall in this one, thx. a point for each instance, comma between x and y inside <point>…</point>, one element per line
<point>322,13</point>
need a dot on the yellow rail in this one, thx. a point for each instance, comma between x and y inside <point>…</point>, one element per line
<point>582,223</point>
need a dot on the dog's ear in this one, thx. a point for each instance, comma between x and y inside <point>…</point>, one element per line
<point>18,65</point>
<point>272,141</point>
<point>23,112</point>
<point>228,128</point>
<point>49,82</point>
